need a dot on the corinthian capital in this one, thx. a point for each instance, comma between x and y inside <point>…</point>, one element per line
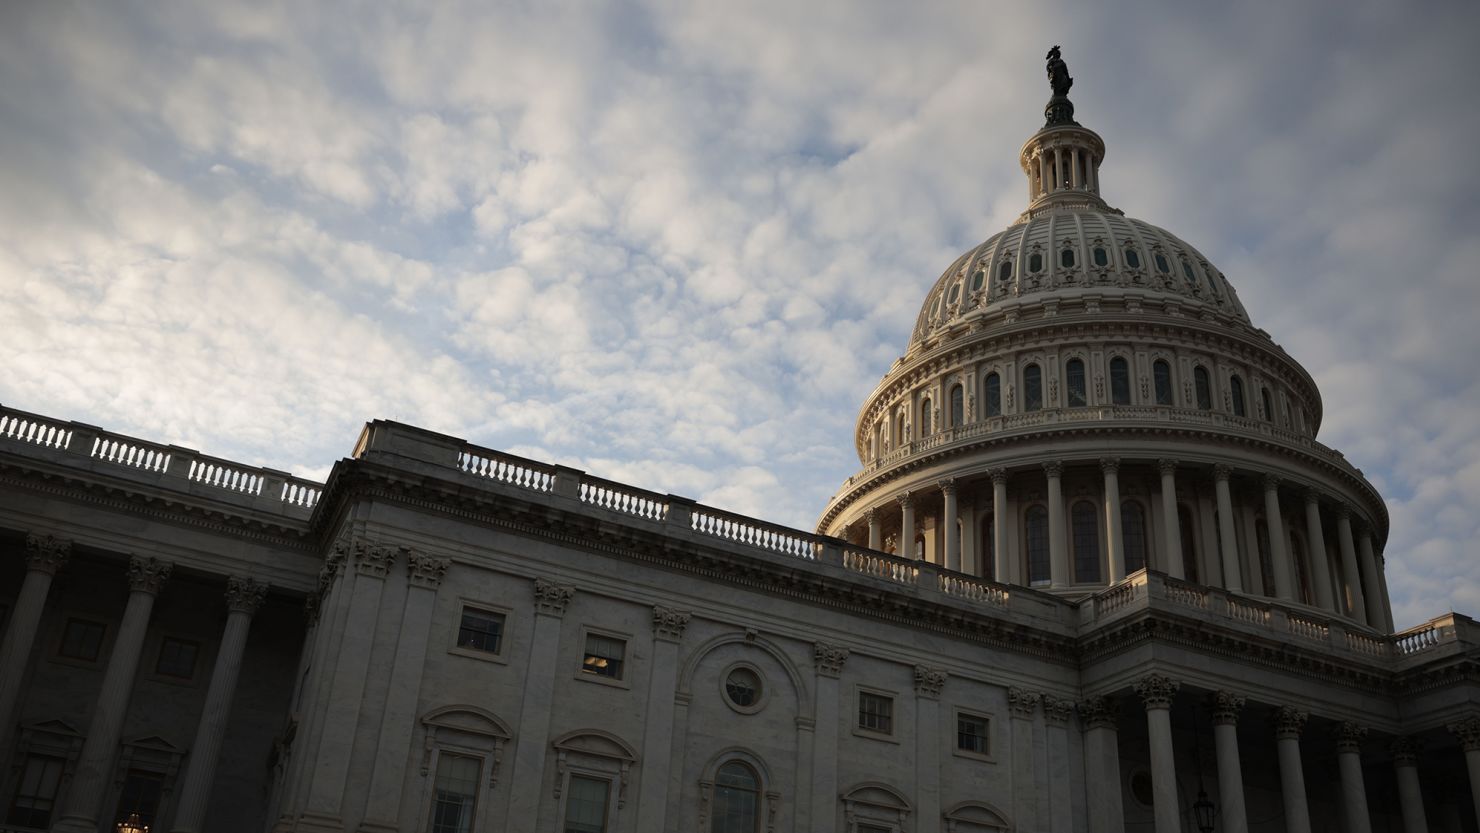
<point>1057,710</point>
<point>1098,712</point>
<point>1226,706</point>
<point>373,559</point>
<point>1157,691</point>
<point>1289,722</point>
<point>1468,732</point>
<point>1022,703</point>
<point>148,575</point>
<point>425,570</point>
<point>829,658</point>
<point>929,681</point>
<point>244,595</point>
<point>1349,737</point>
<point>1166,465</point>
<point>551,598</point>
<point>669,623</point>
<point>46,554</point>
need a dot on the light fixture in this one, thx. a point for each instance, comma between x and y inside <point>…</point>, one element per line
<point>133,825</point>
<point>1203,810</point>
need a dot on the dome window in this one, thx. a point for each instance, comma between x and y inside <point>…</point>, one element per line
<point>1037,523</point>
<point>1133,534</point>
<point>1032,388</point>
<point>1035,262</point>
<point>1162,265</point>
<point>1102,257</point>
<point>958,406</point>
<point>1066,258</point>
<point>978,279</point>
<point>1004,272</point>
<point>1074,376</point>
<point>1187,272</point>
<point>1236,393</point>
<point>1132,259</point>
<point>1162,373</point>
<point>939,299</point>
<point>1268,404</point>
<point>1120,381</point>
<point>993,387</point>
<point>925,417</point>
<point>955,293</point>
<point>1084,522</point>
<point>1203,387</point>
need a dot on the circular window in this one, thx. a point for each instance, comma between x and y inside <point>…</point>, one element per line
<point>744,689</point>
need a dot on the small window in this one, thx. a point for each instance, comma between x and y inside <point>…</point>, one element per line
<point>1102,257</point>
<point>1120,381</point>
<point>1132,259</point>
<point>939,299</point>
<point>604,656</point>
<point>177,658</point>
<point>1004,272</point>
<point>82,639</point>
<point>1074,373</point>
<point>1162,372</point>
<point>1035,262</point>
<point>36,793</point>
<point>978,279</point>
<point>971,733</point>
<point>925,417</point>
<point>737,799</point>
<point>1133,534</point>
<point>1032,388</point>
<point>743,688</point>
<point>481,630</point>
<point>1084,520</point>
<point>1066,258</point>
<point>876,712</point>
<point>955,293</point>
<point>958,406</point>
<point>141,793</point>
<point>1162,264</point>
<point>455,796</point>
<point>586,805</point>
<point>1038,566</point>
<point>993,388</point>
<point>1187,273</point>
<point>1268,404</point>
<point>1202,385</point>
<point>1236,393</point>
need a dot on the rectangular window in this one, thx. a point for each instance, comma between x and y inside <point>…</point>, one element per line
<point>177,658</point>
<point>455,794</point>
<point>140,794</point>
<point>82,639</point>
<point>585,806</point>
<point>971,733</point>
<point>36,795</point>
<point>604,656</point>
<point>875,712</point>
<point>481,630</point>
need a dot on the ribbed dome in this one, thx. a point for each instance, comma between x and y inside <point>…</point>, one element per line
<point>1072,251</point>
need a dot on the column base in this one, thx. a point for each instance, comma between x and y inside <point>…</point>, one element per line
<point>318,823</point>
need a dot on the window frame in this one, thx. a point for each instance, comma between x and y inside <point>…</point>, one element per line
<point>1076,558</point>
<point>1125,365</point>
<point>567,776</point>
<point>501,656</point>
<point>1071,391</point>
<point>992,393</point>
<point>957,398</point>
<point>621,681</point>
<point>158,656</point>
<point>1036,403</point>
<point>987,739</point>
<point>926,429</point>
<point>1202,387</point>
<point>1236,395</point>
<point>1144,533</point>
<point>759,793</point>
<point>1030,512</point>
<point>433,768</point>
<point>1171,383</point>
<point>61,775</point>
<point>859,692</point>
<point>763,690</point>
<point>104,644</point>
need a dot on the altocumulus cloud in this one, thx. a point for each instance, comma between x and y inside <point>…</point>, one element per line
<point>677,243</point>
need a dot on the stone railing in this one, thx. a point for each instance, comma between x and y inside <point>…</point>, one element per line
<point>85,446</point>
<point>623,499</point>
<point>506,468</point>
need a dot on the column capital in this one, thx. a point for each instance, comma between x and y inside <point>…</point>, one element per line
<point>1289,722</point>
<point>1098,713</point>
<point>1221,472</point>
<point>1312,495</point>
<point>1056,710</point>
<point>1468,732</point>
<point>829,658</point>
<point>999,476</point>
<point>1271,482</point>
<point>311,604</point>
<point>1022,703</point>
<point>1166,465</point>
<point>371,559</point>
<point>947,485</point>
<point>550,597</point>
<point>1053,468</point>
<point>905,499</point>
<point>148,575</point>
<point>929,681</point>
<point>669,623</point>
<point>871,515</point>
<point>1349,737</point>
<point>47,554</point>
<point>1344,512</point>
<point>1110,465</point>
<point>244,595</point>
<point>1226,707</point>
<point>425,570</point>
<point>1405,751</point>
<point>1157,691</point>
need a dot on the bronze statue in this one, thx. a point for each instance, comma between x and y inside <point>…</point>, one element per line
<point>1058,73</point>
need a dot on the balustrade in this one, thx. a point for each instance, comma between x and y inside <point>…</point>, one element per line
<point>506,468</point>
<point>624,499</point>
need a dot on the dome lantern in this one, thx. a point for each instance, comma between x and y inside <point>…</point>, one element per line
<point>1062,161</point>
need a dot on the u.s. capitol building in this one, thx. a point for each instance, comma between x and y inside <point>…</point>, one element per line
<point>1095,573</point>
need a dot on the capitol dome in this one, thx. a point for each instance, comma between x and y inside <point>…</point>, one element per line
<point>1083,396</point>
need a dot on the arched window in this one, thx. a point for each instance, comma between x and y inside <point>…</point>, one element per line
<point>1120,381</point>
<point>1203,387</point>
<point>988,530</point>
<point>1161,372</point>
<point>958,406</point>
<point>925,427</point>
<point>1032,388</point>
<point>1187,273</point>
<point>1132,259</point>
<point>1189,543</point>
<point>1302,569</point>
<point>883,439</point>
<point>1084,520</point>
<point>1268,404</point>
<point>1066,258</point>
<point>992,385</point>
<point>1035,262</point>
<point>1004,272</point>
<point>1236,393</point>
<point>737,799</point>
<point>1102,257</point>
<point>1133,534</point>
<point>978,278</point>
<point>1074,376</point>
<point>1266,562</point>
<point>955,293</point>
<point>1037,523</point>
<point>1162,265</point>
<point>899,420</point>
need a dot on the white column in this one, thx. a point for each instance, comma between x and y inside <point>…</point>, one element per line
<point>1315,537</point>
<point>328,772</point>
<point>1074,167</point>
<point>1058,168</point>
<point>1288,724</point>
<point>1468,732</point>
<point>1371,582</point>
<point>1349,564</point>
<point>1058,550</point>
<point>1056,715</point>
<point>1000,522</point>
<point>952,532</point>
<point>528,783</point>
<point>243,597</point>
<point>1102,766</point>
<point>95,765</point>
<point>388,778</point>
<point>657,733</point>
<point>1021,706</point>
<point>1353,789</point>
<point>875,536</point>
<point>1156,693</point>
<point>1227,541</point>
<point>1284,573</point>
<point>1251,546</point>
<point>1380,564</point>
<point>1410,793</point>
<point>828,660</point>
<point>1114,538</point>
<point>928,685</point>
<point>1171,528</point>
<point>44,556</point>
<point>1234,813</point>
<point>906,525</point>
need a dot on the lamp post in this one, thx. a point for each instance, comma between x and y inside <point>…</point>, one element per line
<point>1203,810</point>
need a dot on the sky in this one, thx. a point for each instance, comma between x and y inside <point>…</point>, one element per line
<point>676,244</point>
